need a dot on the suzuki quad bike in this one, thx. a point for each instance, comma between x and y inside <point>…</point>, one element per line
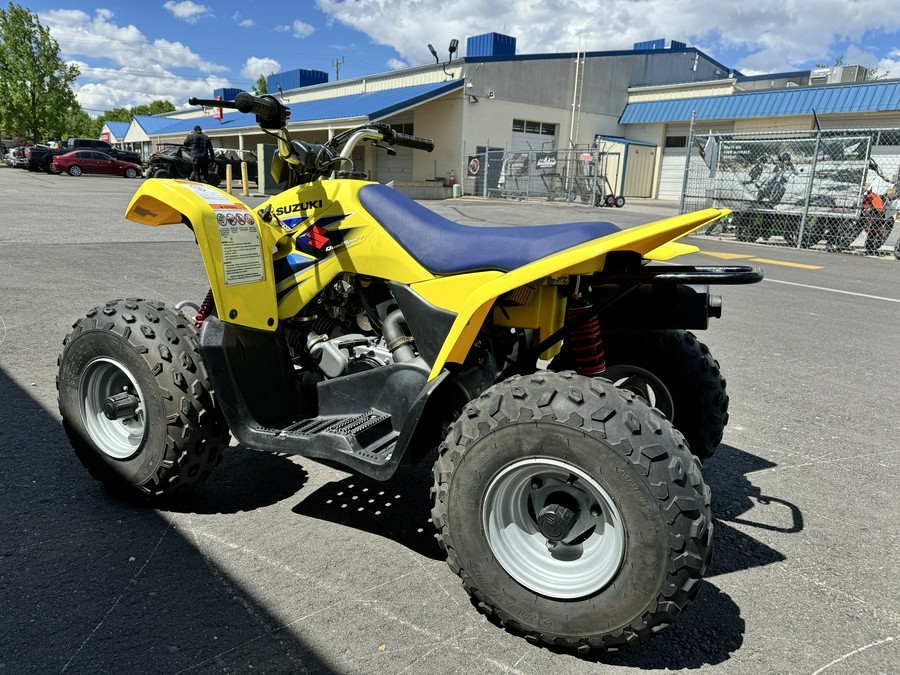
<point>348,324</point>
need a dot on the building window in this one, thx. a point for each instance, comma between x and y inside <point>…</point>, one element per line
<point>403,129</point>
<point>676,141</point>
<point>531,127</point>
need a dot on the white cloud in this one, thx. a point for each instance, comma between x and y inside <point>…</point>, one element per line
<point>779,36</point>
<point>79,34</point>
<point>397,64</point>
<point>254,67</point>
<point>187,10</point>
<point>143,70</point>
<point>298,29</point>
<point>103,88</point>
<point>237,17</point>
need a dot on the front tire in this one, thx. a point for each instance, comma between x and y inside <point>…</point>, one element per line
<point>131,172</point>
<point>572,511</point>
<point>136,403</point>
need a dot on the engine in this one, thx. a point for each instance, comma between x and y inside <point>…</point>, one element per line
<point>349,328</point>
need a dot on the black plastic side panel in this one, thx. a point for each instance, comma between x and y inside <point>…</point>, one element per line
<point>257,366</point>
<point>392,389</point>
<point>418,403</point>
<point>429,325</point>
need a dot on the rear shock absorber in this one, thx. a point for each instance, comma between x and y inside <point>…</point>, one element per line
<point>207,308</point>
<point>586,342</point>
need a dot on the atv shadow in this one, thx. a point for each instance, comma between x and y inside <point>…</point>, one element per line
<point>246,480</point>
<point>711,628</point>
<point>398,509</point>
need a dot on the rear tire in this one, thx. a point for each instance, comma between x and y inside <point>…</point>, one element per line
<point>620,202</point>
<point>639,533</point>
<point>678,372</point>
<point>74,170</point>
<point>162,173</point>
<point>744,229</point>
<point>167,435</point>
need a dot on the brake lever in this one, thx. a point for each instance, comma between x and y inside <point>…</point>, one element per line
<point>390,151</point>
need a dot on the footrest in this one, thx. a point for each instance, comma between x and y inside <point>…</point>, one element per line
<point>369,435</point>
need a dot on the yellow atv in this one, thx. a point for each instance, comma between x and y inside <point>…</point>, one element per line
<point>349,324</point>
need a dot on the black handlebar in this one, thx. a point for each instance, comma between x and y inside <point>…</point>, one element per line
<point>269,112</point>
<point>262,106</point>
<point>211,103</point>
<point>414,142</point>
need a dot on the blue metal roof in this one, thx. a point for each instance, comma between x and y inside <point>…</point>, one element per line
<point>153,125</point>
<point>850,98</point>
<point>117,129</point>
<point>371,106</point>
<point>623,141</point>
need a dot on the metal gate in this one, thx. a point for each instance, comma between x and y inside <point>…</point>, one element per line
<point>550,174</point>
<point>833,190</point>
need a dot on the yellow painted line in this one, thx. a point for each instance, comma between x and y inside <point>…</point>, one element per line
<point>787,264</point>
<point>725,256</point>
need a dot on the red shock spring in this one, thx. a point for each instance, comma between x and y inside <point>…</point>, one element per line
<point>587,343</point>
<point>209,304</point>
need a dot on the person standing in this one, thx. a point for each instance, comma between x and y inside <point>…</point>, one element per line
<point>201,153</point>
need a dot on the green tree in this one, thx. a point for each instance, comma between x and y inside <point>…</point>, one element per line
<point>35,84</point>
<point>79,124</point>
<point>125,114</point>
<point>261,87</point>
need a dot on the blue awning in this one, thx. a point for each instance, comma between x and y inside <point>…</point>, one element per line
<point>851,98</point>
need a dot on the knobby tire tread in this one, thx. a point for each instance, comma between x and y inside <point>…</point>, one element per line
<point>633,429</point>
<point>196,432</point>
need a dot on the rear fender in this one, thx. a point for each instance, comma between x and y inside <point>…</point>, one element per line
<point>235,249</point>
<point>472,302</point>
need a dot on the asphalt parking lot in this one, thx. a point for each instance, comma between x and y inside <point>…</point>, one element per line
<point>279,564</point>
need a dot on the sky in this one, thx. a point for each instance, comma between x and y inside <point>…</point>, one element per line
<point>132,52</point>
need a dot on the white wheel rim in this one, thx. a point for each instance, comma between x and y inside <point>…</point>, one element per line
<point>571,568</point>
<point>119,438</point>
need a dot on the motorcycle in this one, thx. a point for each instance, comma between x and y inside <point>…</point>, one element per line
<point>759,216</point>
<point>876,217</point>
<point>348,324</point>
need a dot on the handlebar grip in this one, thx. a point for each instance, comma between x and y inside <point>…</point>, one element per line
<point>211,103</point>
<point>414,142</point>
<point>262,106</point>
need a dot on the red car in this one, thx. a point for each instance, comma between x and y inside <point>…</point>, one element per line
<point>90,161</point>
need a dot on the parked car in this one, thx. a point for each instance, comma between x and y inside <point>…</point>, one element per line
<point>234,157</point>
<point>91,161</point>
<point>41,157</point>
<point>104,147</point>
<point>17,156</point>
<point>174,161</point>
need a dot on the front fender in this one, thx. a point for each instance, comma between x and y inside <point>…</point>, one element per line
<point>234,247</point>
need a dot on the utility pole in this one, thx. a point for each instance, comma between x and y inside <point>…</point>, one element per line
<point>337,68</point>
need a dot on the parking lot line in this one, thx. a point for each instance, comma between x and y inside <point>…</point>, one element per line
<point>787,264</point>
<point>833,290</point>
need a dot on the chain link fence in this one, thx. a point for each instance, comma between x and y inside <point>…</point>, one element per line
<point>585,175</point>
<point>830,190</point>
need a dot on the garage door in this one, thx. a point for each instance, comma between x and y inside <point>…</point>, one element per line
<point>671,178</point>
<point>399,168</point>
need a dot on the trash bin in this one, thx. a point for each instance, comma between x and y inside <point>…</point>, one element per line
<point>457,190</point>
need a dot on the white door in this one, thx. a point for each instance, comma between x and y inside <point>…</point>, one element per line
<point>671,177</point>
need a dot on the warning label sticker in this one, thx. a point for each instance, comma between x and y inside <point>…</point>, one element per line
<point>241,250</point>
<point>209,195</point>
